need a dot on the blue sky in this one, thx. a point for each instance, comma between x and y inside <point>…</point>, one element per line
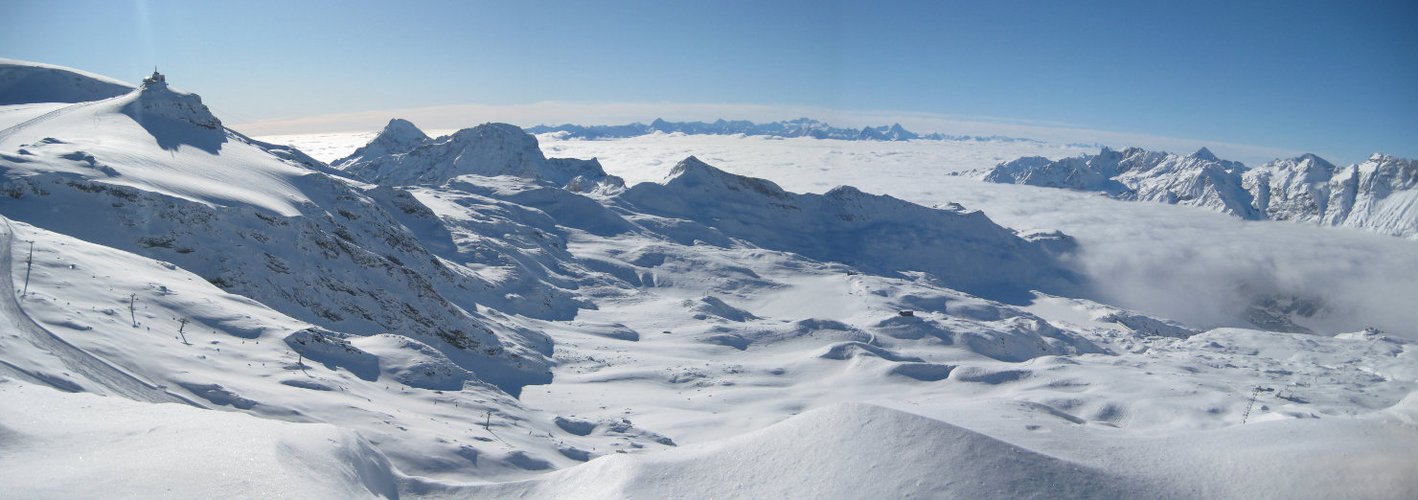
<point>1338,78</point>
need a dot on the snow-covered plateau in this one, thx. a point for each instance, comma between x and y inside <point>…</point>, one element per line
<point>486,313</point>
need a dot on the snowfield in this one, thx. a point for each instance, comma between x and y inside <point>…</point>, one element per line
<point>486,313</point>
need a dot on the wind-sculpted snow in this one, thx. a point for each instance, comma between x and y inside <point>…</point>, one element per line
<point>842,451</point>
<point>872,232</point>
<point>1380,194</point>
<point>489,150</point>
<point>23,82</point>
<point>54,447</point>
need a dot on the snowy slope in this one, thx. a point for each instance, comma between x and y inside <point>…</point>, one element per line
<point>24,82</point>
<point>138,450</point>
<point>74,330</point>
<point>154,173</point>
<point>704,334</point>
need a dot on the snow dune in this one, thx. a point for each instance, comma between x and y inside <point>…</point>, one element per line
<point>844,451</point>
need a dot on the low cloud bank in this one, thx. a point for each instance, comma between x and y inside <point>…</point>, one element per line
<point>1208,269</point>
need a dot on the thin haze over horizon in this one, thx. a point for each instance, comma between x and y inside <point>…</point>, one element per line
<point>1261,78</point>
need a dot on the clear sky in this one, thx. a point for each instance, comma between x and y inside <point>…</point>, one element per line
<point>1339,78</point>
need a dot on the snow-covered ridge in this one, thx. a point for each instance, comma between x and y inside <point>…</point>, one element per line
<point>801,127</point>
<point>1379,194</point>
<point>154,173</point>
<point>399,136</point>
<point>403,155</point>
<point>874,232</point>
<point>24,82</point>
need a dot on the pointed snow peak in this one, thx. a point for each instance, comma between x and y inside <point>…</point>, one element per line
<point>400,125</point>
<point>1204,154</point>
<point>692,166</point>
<point>1316,161</point>
<point>691,174</point>
<point>398,137</point>
<point>400,132</point>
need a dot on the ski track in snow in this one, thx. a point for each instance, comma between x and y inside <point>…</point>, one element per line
<point>101,376</point>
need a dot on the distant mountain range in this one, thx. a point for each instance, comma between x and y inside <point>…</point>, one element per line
<point>1379,194</point>
<point>801,127</point>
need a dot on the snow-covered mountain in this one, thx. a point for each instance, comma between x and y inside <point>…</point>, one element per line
<point>402,155</point>
<point>399,136</point>
<point>153,172</point>
<point>875,233</point>
<point>801,127</point>
<point>1380,194</point>
<point>462,316</point>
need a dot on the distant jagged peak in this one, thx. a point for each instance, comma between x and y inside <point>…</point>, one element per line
<point>1205,154</point>
<point>1392,171</point>
<point>1307,161</point>
<point>1313,158</point>
<point>798,127</point>
<point>1382,159</point>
